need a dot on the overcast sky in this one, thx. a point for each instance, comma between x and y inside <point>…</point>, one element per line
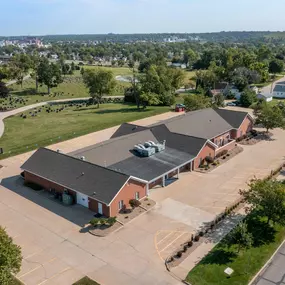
<point>41,17</point>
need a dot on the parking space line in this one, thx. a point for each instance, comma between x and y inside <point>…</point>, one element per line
<point>172,242</point>
<point>165,237</point>
<point>41,265</point>
<point>62,271</point>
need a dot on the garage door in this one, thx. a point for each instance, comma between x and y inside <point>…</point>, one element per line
<point>82,199</point>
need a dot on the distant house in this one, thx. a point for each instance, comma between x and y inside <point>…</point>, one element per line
<point>279,90</point>
<point>266,97</point>
<point>179,65</point>
<point>220,87</point>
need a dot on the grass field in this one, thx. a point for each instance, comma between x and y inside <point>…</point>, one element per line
<point>245,264</point>
<point>86,281</point>
<point>23,135</point>
<point>116,70</point>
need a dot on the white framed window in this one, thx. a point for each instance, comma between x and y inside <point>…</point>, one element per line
<point>121,204</point>
<point>137,195</point>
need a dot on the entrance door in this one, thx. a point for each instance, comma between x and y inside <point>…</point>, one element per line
<point>100,208</point>
<point>82,200</point>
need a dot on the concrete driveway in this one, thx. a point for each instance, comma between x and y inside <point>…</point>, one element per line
<point>57,250</point>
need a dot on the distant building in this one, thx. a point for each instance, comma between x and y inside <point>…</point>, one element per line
<point>279,90</point>
<point>267,97</point>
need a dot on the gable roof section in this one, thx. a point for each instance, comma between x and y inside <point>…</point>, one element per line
<point>187,144</point>
<point>126,129</point>
<point>76,174</point>
<point>279,87</point>
<point>206,123</point>
<point>234,118</point>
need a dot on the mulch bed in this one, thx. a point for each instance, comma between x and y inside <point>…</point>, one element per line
<point>102,231</point>
<point>130,214</point>
<point>221,160</point>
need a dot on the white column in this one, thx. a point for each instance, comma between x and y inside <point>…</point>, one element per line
<point>147,190</point>
<point>163,181</point>
<point>178,171</point>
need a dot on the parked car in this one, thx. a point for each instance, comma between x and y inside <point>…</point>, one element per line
<point>231,104</point>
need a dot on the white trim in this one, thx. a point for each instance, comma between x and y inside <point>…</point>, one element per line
<point>64,186</point>
<point>222,133</point>
<point>208,141</point>
<point>138,179</point>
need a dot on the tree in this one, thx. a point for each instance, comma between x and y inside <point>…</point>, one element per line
<point>240,236</point>
<point>276,66</point>
<point>196,102</point>
<point>268,197</point>
<point>19,67</point>
<point>49,74</point>
<point>4,91</point>
<point>99,82</point>
<point>219,100</point>
<point>270,117</point>
<point>190,57</point>
<point>149,98</point>
<point>35,61</point>
<point>247,98</point>
<point>10,258</point>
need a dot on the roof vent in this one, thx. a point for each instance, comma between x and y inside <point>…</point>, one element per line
<point>83,158</point>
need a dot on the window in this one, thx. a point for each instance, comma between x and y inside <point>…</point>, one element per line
<point>121,204</point>
<point>137,195</point>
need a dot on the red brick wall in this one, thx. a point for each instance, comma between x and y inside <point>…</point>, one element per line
<point>245,127</point>
<point>228,147</point>
<point>171,174</point>
<point>126,194</point>
<point>93,206</point>
<point>47,185</point>
<point>206,151</point>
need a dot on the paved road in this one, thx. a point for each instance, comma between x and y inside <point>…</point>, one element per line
<point>274,272</point>
<point>4,115</point>
<point>267,89</point>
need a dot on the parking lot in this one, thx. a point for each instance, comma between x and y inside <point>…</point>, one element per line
<point>57,250</point>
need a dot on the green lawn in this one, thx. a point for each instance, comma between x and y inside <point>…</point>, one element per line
<point>86,281</point>
<point>245,264</point>
<point>23,135</point>
<point>116,70</point>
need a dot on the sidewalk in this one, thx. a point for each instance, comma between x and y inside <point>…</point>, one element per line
<point>212,240</point>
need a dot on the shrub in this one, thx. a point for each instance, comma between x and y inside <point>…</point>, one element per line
<point>94,222</point>
<point>209,159</point>
<point>228,154</point>
<point>201,234</point>
<point>34,186</point>
<point>111,221</point>
<point>134,203</point>
<point>103,221</point>
<point>196,238</point>
<point>179,254</point>
<point>190,243</point>
<point>185,247</point>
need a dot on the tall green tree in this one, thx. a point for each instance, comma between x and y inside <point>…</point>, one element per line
<point>19,67</point>
<point>4,91</point>
<point>276,66</point>
<point>99,82</point>
<point>270,117</point>
<point>268,197</point>
<point>247,98</point>
<point>35,62</point>
<point>49,74</point>
<point>10,258</point>
<point>240,236</point>
<point>195,102</point>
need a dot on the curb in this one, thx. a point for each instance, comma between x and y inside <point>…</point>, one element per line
<point>266,264</point>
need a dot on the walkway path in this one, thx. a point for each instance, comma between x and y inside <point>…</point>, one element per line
<point>211,241</point>
<point>274,271</point>
<point>4,115</point>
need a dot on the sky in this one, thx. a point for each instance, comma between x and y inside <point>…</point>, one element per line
<point>42,17</point>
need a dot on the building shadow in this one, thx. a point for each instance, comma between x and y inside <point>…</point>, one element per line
<point>76,214</point>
